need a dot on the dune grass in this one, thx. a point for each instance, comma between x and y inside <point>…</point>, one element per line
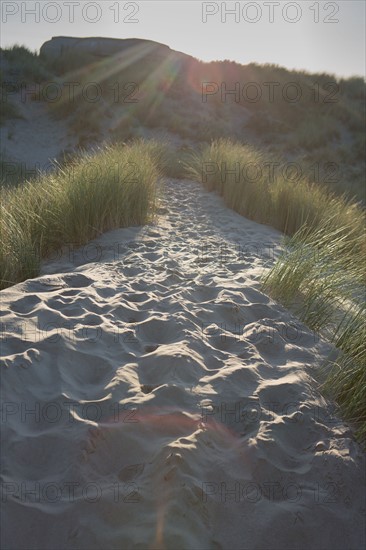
<point>316,131</point>
<point>27,66</point>
<point>266,189</point>
<point>321,274</point>
<point>8,110</point>
<point>321,278</point>
<point>95,192</point>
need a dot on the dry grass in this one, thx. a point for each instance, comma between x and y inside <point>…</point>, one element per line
<point>110,188</point>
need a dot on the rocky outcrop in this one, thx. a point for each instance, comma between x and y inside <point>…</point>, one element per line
<point>59,46</point>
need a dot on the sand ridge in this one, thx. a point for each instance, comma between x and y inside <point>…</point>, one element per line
<point>174,404</point>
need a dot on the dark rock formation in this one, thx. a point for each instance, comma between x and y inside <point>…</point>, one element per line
<point>60,46</point>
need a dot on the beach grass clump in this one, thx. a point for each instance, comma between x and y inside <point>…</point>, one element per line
<point>95,192</point>
<point>321,272</point>
<point>321,277</point>
<point>235,172</point>
<point>26,66</point>
<point>263,188</point>
<point>346,381</point>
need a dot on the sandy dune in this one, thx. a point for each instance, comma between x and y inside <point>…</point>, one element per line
<point>48,137</point>
<point>174,404</point>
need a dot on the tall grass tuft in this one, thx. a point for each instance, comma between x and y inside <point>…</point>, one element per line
<point>262,188</point>
<point>96,192</point>
<point>213,165</point>
<point>321,277</point>
<point>26,65</point>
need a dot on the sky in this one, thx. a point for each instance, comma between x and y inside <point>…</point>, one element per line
<point>320,36</point>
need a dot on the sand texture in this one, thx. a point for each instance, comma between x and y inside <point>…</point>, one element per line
<point>174,404</point>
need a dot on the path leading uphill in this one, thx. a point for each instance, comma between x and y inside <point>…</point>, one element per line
<point>156,398</point>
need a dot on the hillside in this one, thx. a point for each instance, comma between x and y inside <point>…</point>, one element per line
<point>108,89</point>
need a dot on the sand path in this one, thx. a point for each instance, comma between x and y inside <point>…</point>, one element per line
<point>174,403</point>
